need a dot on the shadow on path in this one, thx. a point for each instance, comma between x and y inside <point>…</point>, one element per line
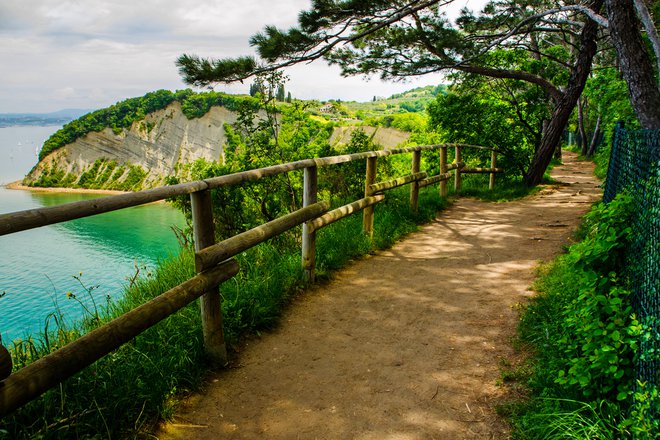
<point>406,344</point>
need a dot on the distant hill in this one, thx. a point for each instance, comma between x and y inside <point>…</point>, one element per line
<point>40,119</point>
<point>414,100</point>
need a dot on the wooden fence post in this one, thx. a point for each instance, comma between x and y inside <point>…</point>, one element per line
<point>414,187</point>
<point>210,302</point>
<point>457,176</point>
<point>443,170</point>
<point>368,214</point>
<point>309,238</point>
<point>493,165</point>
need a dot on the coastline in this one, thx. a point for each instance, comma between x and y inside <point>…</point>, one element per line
<point>18,185</point>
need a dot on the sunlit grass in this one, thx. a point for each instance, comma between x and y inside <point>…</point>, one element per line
<point>125,392</point>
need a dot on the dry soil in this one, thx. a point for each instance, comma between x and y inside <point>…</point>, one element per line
<point>405,344</point>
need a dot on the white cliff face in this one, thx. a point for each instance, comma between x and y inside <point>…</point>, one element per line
<point>158,143</point>
<point>384,136</point>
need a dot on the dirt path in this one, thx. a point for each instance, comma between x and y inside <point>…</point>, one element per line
<point>406,344</point>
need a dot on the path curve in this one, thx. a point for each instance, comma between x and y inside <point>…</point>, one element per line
<point>405,344</point>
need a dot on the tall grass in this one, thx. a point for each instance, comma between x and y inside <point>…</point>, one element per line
<point>127,391</point>
<point>124,391</point>
<point>584,339</point>
<point>565,419</point>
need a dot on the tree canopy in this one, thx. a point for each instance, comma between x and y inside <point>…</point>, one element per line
<point>549,45</point>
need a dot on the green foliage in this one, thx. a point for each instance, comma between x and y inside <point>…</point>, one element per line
<point>607,94</point>
<point>346,181</point>
<point>606,97</point>
<point>196,105</point>
<point>274,135</point>
<point>107,172</point>
<point>411,101</point>
<point>102,174</point>
<point>279,94</point>
<point>476,185</point>
<point>476,113</point>
<point>134,180</point>
<point>586,338</point>
<point>51,176</point>
<point>550,418</point>
<point>599,341</point>
<point>118,173</point>
<point>88,178</point>
<point>410,122</point>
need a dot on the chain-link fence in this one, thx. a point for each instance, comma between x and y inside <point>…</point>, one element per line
<point>635,168</point>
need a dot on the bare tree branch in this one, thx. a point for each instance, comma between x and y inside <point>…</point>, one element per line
<point>532,18</point>
<point>462,66</point>
<point>599,19</point>
<point>651,31</point>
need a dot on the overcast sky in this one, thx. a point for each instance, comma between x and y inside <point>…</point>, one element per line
<point>89,54</point>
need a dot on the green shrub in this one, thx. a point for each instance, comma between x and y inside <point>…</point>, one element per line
<point>51,176</point>
<point>106,173</point>
<point>585,339</point>
<point>88,177</point>
<point>134,179</point>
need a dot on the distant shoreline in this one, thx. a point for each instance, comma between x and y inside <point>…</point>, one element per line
<point>18,185</point>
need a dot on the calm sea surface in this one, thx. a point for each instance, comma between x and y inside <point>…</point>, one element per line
<point>38,266</point>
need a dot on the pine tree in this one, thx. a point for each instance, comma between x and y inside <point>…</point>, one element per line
<point>280,93</point>
<point>547,44</point>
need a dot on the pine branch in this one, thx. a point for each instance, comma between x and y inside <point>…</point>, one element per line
<point>200,72</point>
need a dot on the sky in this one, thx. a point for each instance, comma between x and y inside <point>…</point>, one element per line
<point>89,54</point>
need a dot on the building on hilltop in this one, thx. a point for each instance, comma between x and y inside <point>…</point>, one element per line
<point>327,108</point>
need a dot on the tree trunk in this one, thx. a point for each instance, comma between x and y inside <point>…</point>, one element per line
<point>651,31</point>
<point>581,131</point>
<point>566,104</point>
<point>557,154</point>
<point>595,137</point>
<point>636,63</point>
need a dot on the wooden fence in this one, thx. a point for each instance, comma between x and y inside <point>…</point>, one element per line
<point>214,262</point>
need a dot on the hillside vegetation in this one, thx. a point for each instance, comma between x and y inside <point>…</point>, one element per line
<point>140,142</point>
<point>195,105</point>
<point>125,113</point>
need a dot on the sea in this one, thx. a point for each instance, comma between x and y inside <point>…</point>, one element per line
<point>65,271</point>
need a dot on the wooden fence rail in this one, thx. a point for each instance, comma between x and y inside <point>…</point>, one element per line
<point>37,377</point>
<point>213,261</point>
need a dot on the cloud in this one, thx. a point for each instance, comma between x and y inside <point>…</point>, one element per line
<point>93,53</point>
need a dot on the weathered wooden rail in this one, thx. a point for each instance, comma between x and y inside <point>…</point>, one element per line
<point>213,261</point>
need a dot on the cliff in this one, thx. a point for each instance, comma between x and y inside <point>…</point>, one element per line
<point>154,147</point>
<point>384,136</point>
<point>140,156</point>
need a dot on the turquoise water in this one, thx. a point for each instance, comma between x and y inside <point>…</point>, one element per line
<point>19,150</point>
<point>38,266</point>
